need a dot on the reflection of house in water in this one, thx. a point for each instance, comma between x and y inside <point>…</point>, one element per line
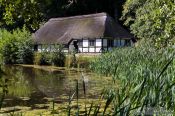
<point>93,33</point>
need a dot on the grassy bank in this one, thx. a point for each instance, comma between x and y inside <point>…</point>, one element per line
<point>70,60</point>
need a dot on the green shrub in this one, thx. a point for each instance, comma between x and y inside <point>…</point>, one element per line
<point>58,57</point>
<point>45,58</point>
<point>16,47</point>
<point>55,57</point>
<point>25,52</point>
<point>8,48</point>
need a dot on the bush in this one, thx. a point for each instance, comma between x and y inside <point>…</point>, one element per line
<point>55,57</point>
<point>16,47</point>
<point>25,52</point>
<point>58,57</point>
<point>45,58</point>
<point>8,48</point>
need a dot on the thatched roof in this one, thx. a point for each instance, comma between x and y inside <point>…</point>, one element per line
<point>63,30</point>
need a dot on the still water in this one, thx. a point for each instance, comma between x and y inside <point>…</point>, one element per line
<point>29,85</point>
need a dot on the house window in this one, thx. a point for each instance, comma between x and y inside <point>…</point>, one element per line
<point>91,42</point>
<point>110,43</point>
<point>80,42</point>
<point>117,43</point>
<point>122,43</point>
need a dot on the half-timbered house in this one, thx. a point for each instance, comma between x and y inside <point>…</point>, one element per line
<point>92,33</point>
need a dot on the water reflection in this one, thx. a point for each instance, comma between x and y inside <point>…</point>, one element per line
<point>29,86</point>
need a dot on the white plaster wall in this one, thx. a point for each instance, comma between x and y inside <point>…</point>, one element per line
<point>85,49</point>
<point>66,51</point>
<point>71,47</point>
<point>80,49</point>
<point>39,48</point>
<point>104,42</point>
<point>91,49</point>
<point>98,42</point>
<point>85,43</point>
<point>98,49</point>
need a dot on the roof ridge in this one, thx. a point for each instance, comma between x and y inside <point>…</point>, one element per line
<point>79,16</point>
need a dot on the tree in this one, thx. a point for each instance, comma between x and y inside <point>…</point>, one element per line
<point>15,13</point>
<point>150,19</point>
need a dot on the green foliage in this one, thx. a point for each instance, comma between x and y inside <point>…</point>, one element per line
<point>145,76</point>
<point>45,58</point>
<point>15,13</point>
<point>16,47</point>
<point>25,49</point>
<point>151,20</point>
<point>58,57</point>
<point>54,57</point>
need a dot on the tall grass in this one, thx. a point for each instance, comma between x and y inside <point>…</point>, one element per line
<point>146,79</point>
<point>78,61</point>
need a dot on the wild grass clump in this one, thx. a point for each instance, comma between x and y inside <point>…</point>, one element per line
<point>78,61</point>
<point>145,75</point>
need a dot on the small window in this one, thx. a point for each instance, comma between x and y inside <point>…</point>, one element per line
<point>110,43</point>
<point>122,43</point>
<point>117,43</point>
<point>80,42</point>
<point>91,42</point>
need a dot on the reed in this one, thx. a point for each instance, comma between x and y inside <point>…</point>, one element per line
<point>146,79</point>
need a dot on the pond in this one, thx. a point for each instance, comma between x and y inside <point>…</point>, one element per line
<point>29,86</point>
